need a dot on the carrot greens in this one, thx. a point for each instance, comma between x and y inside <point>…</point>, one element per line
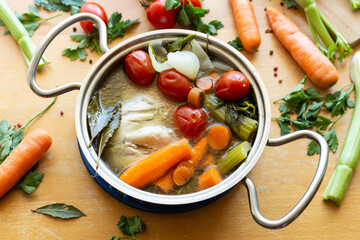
<point>321,28</point>
<point>349,156</point>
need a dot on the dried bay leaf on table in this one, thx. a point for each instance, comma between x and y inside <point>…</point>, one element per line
<point>60,210</point>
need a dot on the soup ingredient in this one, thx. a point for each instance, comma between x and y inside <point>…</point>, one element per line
<point>139,68</point>
<point>174,85</point>
<point>60,210</point>
<point>63,5</point>
<point>166,182</point>
<point>96,9</point>
<point>234,157</point>
<point>20,34</point>
<point>232,85</point>
<point>219,136</point>
<point>208,162</point>
<point>183,172</point>
<point>195,97</point>
<point>200,150</point>
<point>236,43</point>
<point>159,16</point>
<point>321,27</point>
<point>115,28</point>
<point>151,136</point>
<point>205,83</point>
<point>355,4</point>
<point>349,156</point>
<point>129,226</point>
<point>191,14</point>
<point>246,24</point>
<point>306,104</point>
<point>209,178</point>
<point>151,168</point>
<point>158,56</point>
<point>23,158</point>
<point>315,64</point>
<point>190,121</point>
<point>185,62</point>
<point>206,65</point>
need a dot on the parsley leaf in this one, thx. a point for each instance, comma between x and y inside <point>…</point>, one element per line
<point>291,4</point>
<point>180,43</point>
<point>30,182</point>
<point>129,226</point>
<point>237,44</point>
<point>62,5</point>
<point>116,28</point>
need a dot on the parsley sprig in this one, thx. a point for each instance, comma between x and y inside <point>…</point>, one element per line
<point>71,6</point>
<point>31,20</point>
<point>306,104</point>
<point>116,28</point>
<point>129,226</point>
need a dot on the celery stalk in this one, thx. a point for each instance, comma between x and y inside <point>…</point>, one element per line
<point>19,33</point>
<point>355,4</point>
<point>321,27</point>
<point>350,153</point>
<point>233,157</point>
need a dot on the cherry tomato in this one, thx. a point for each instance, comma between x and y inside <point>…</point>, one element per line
<point>159,17</point>
<point>94,8</point>
<point>174,85</point>
<point>232,85</point>
<point>139,68</point>
<point>190,121</point>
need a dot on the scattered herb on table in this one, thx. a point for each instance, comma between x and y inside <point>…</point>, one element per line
<point>9,139</point>
<point>236,43</point>
<point>349,156</point>
<point>306,104</point>
<point>60,210</point>
<point>115,28</point>
<point>72,6</point>
<point>321,27</point>
<point>19,33</point>
<point>129,226</point>
<point>31,20</point>
<point>291,4</point>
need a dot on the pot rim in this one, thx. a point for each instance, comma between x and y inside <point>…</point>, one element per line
<point>117,52</point>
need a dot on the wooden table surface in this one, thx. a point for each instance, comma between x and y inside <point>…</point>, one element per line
<point>282,174</point>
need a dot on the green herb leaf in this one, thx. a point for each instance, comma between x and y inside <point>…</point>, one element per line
<point>74,53</point>
<point>180,43</point>
<point>237,44</point>
<point>60,210</point>
<point>313,148</point>
<point>332,140</point>
<point>284,126</point>
<point>129,226</point>
<point>30,182</point>
<point>291,4</point>
<point>63,5</point>
<point>172,4</point>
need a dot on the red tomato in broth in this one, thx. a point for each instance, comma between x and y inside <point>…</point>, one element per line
<point>94,8</point>
<point>190,121</point>
<point>232,85</point>
<point>159,17</point>
<point>139,68</point>
<point>174,84</point>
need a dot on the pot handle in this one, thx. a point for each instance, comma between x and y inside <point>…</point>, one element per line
<point>310,192</point>
<point>45,43</point>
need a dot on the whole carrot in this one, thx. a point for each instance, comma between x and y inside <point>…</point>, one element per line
<point>246,24</point>
<point>315,64</point>
<point>152,167</point>
<point>23,158</point>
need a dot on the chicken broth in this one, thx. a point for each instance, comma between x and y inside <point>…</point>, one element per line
<point>152,119</point>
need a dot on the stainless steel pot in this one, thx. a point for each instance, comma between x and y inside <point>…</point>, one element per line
<point>166,203</point>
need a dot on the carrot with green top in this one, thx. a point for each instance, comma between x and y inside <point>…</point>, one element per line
<point>152,167</point>
<point>219,136</point>
<point>24,156</point>
<point>246,24</point>
<point>209,178</point>
<point>314,63</point>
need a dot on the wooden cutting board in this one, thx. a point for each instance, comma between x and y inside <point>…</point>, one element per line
<point>339,14</point>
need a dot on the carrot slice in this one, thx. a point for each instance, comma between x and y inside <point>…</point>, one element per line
<point>23,158</point>
<point>208,162</point>
<point>151,168</point>
<point>205,83</point>
<point>246,24</point>
<point>195,97</point>
<point>214,75</point>
<point>209,178</point>
<point>219,136</point>
<point>182,175</point>
<point>315,64</point>
<point>166,183</point>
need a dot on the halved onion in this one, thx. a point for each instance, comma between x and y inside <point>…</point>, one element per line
<point>185,62</point>
<point>206,65</point>
<point>156,47</point>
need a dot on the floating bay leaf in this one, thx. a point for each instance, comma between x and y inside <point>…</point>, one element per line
<point>60,210</point>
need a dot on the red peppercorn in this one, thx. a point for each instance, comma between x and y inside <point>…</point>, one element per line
<point>61,113</point>
<point>275,74</point>
<point>19,125</point>
<point>275,69</point>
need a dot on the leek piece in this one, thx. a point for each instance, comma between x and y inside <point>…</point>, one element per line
<point>19,33</point>
<point>234,157</point>
<point>355,4</point>
<point>216,106</point>
<point>349,156</point>
<point>321,27</point>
